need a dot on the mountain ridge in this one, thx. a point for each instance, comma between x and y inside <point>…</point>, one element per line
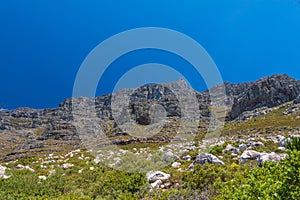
<point>26,130</point>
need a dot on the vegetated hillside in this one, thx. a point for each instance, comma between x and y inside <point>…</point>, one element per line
<point>255,158</point>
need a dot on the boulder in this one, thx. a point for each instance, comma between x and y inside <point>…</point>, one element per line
<point>44,167</point>
<point>291,110</point>
<point>229,147</point>
<point>203,158</point>
<point>235,151</point>
<point>242,147</point>
<point>283,142</point>
<point>257,144</point>
<point>269,157</point>
<point>52,172</point>
<point>66,166</point>
<point>249,155</point>
<point>2,172</point>
<point>176,164</point>
<point>187,157</point>
<point>156,184</point>
<point>169,156</point>
<point>19,166</point>
<point>42,178</point>
<point>153,176</point>
<point>281,148</point>
<point>191,166</point>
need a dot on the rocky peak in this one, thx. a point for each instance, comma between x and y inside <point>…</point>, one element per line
<point>182,82</point>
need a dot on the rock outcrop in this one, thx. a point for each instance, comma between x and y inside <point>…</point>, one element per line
<point>266,92</point>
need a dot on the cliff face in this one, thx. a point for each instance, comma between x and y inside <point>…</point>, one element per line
<point>266,92</point>
<point>26,130</point>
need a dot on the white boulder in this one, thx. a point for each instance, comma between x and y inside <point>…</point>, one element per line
<point>66,166</point>
<point>153,176</point>
<point>249,155</point>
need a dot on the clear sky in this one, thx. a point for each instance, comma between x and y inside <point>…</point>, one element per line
<point>43,43</point>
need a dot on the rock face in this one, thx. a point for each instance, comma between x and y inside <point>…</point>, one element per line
<point>25,131</point>
<point>269,92</point>
<point>297,100</point>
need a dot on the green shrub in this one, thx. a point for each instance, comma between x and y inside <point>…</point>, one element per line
<point>272,181</point>
<point>216,150</point>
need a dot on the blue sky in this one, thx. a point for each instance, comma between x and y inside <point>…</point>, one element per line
<point>43,43</point>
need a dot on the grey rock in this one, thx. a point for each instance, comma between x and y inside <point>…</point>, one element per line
<point>19,166</point>
<point>187,157</point>
<point>297,100</point>
<point>42,177</point>
<point>284,141</point>
<point>269,157</point>
<point>2,172</point>
<point>242,147</point>
<point>156,184</point>
<point>169,157</point>
<point>229,147</point>
<point>281,148</point>
<point>291,110</point>
<point>67,166</point>
<point>203,158</point>
<point>249,155</point>
<point>191,166</point>
<point>235,151</point>
<point>153,176</point>
<point>176,164</point>
<point>257,144</point>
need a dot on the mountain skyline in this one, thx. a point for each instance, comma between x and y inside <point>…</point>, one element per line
<point>44,43</point>
<point>179,81</point>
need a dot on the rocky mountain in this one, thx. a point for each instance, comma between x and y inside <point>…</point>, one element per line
<point>266,92</point>
<point>25,131</point>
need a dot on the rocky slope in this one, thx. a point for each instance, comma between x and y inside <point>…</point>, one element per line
<point>26,131</point>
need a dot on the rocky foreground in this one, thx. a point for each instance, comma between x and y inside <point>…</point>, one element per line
<point>244,153</point>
